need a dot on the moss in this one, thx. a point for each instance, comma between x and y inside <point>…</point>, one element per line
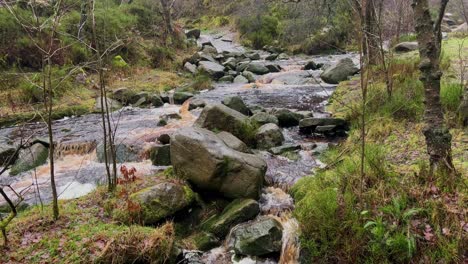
<point>82,234</point>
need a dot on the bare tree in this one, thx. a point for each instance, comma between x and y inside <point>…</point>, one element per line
<point>429,35</point>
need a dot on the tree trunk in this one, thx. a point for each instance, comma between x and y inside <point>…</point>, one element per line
<point>166,13</point>
<point>438,137</point>
<point>371,45</point>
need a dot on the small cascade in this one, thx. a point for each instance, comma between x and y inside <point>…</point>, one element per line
<point>78,148</point>
<point>171,98</point>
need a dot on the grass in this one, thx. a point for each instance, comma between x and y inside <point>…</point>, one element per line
<point>83,234</point>
<point>397,212</point>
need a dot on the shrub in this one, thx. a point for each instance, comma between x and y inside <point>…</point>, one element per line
<point>161,57</point>
<point>259,30</point>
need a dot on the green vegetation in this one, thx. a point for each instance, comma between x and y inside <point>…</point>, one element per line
<point>84,234</point>
<point>259,30</point>
<point>138,57</point>
<point>397,212</point>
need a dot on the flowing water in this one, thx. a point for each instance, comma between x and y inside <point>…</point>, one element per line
<point>78,172</point>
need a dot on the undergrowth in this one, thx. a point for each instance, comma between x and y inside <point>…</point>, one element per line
<point>396,212</point>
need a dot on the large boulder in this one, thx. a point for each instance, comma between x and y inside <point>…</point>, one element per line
<point>30,158</point>
<point>7,154</point>
<point>215,70</point>
<point>236,103</point>
<point>201,157</point>
<point>218,117</point>
<point>257,68</point>
<point>269,136</point>
<point>231,141</point>
<point>257,238</point>
<point>311,66</point>
<point>162,200</point>
<point>226,79</point>
<point>406,46</point>
<point>161,155</point>
<point>262,118</point>
<point>238,211</point>
<point>340,71</point>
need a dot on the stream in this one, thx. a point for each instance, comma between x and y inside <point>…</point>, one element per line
<point>78,172</point>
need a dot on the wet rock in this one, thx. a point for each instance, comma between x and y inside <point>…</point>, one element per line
<point>209,50</point>
<point>30,158</point>
<point>311,65</point>
<point>124,153</point>
<point>162,122</point>
<point>287,118</point>
<point>249,76</point>
<point>306,113</point>
<point>196,103</point>
<point>263,118</point>
<point>164,139</point>
<point>161,155</point>
<point>111,103</point>
<point>215,70</point>
<point>253,56</point>
<point>191,257</point>
<point>230,63</point>
<point>225,171</point>
<point>238,211</point>
<point>406,46</point>
<point>192,68</point>
<point>124,95</point>
<point>284,148</point>
<point>205,241</point>
<point>257,68</point>
<point>226,79</point>
<point>242,66</point>
<point>181,97</point>
<point>257,238</point>
<point>193,33</point>
<point>233,73</point>
<point>236,103</point>
<point>340,71</point>
<point>273,67</point>
<point>241,80</point>
<point>283,56</point>
<point>207,57</point>
<point>195,58</point>
<point>222,118</point>
<point>310,125</point>
<point>294,78</point>
<point>271,57</point>
<point>162,200</point>
<point>231,141</point>
<point>7,154</point>
<point>257,109</point>
<point>155,100</point>
<point>269,136</point>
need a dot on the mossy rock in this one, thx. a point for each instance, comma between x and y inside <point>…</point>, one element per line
<point>238,211</point>
<point>162,200</point>
<point>161,155</point>
<point>30,158</point>
<point>205,241</point>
